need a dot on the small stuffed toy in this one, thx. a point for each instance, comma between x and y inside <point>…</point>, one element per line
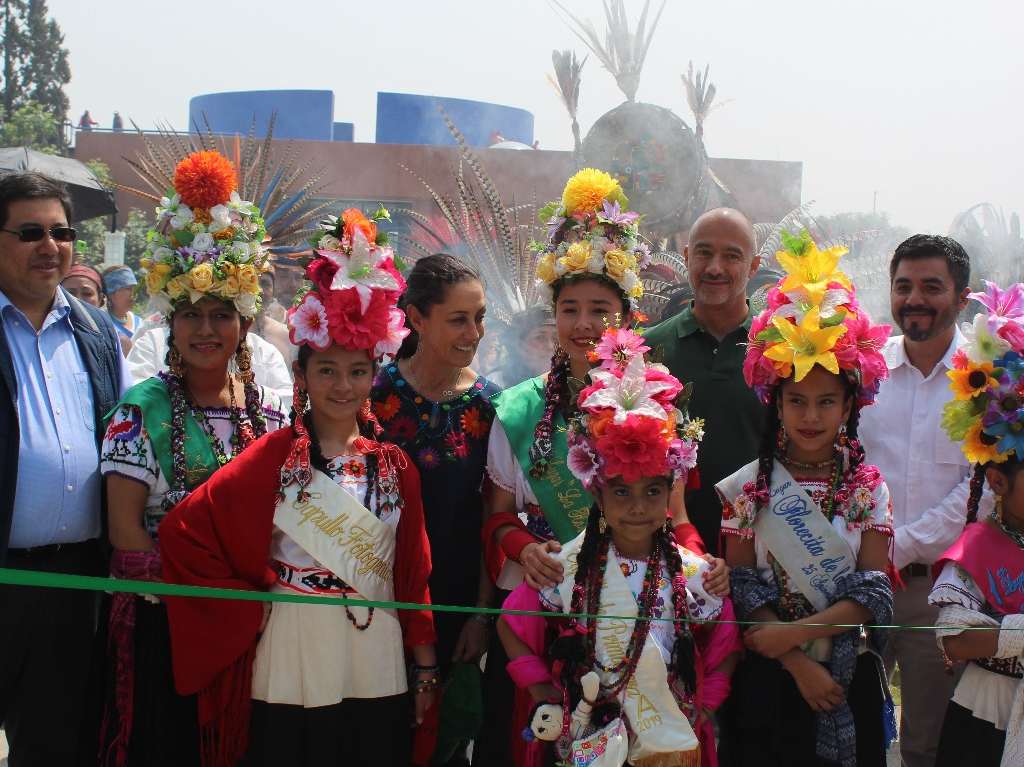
<point>546,723</point>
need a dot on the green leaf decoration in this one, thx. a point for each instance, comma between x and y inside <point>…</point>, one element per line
<point>835,319</point>
<point>770,335</point>
<point>795,244</point>
<point>549,211</point>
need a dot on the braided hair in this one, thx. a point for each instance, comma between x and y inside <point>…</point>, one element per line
<point>1008,468</point>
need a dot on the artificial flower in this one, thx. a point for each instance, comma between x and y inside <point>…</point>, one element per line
<point>246,304</point>
<point>617,263</point>
<point>971,381</point>
<point>307,323</point>
<point>352,326</point>
<point>958,416</point>
<point>682,456</point>
<point>1002,304</point>
<point>396,333</point>
<point>363,270</point>
<point>627,393</point>
<point>1010,435</point>
<point>1013,333</point>
<point>576,257</point>
<point>981,344</point>
<point>618,346</point>
<point>546,268</point>
<point>980,447</point>
<point>860,348</point>
<point>220,217</point>
<point>812,270</point>
<point>329,242</point>
<point>633,449</point>
<point>612,213</point>
<point>201,277</point>
<point>805,345</point>
<point>202,242</point>
<point>588,190</point>
<point>583,463</point>
<point>204,179</point>
<point>155,281</point>
<point>354,220</point>
<point>248,278</point>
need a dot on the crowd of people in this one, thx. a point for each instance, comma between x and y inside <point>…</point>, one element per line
<point>693,528</point>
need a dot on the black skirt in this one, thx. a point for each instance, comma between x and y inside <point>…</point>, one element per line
<point>965,739</point>
<point>358,731</point>
<point>165,725</point>
<point>766,722</point>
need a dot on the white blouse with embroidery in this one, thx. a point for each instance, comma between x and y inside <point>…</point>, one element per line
<point>127,449</point>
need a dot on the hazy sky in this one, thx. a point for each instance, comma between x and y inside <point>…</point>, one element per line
<point>919,101</point>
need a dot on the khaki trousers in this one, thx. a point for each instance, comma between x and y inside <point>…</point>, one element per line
<point>925,685</point>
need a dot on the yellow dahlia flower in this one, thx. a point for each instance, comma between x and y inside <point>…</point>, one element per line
<point>587,190</point>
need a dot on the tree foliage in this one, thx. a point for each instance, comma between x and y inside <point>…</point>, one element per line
<point>33,126</point>
<point>91,233</point>
<point>35,65</point>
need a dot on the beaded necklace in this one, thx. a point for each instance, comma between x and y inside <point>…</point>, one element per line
<point>234,416</point>
<point>1015,535</point>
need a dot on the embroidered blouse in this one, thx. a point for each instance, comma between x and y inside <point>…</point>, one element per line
<point>127,449</point>
<point>864,506</point>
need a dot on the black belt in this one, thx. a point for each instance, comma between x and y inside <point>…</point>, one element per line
<point>36,553</point>
<point>916,570</point>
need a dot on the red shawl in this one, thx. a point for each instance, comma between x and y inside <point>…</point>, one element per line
<point>220,536</point>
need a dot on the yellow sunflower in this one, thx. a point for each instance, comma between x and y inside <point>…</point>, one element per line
<point>977,448</point>
<point>971,381</point>
<point>587,190</point>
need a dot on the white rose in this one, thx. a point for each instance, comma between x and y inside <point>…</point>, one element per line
<point>220,218</point>
<point>242,251</point>
<point>203,242</point>
<point>629,280</point>
<point>182,216</point>
<point>596,263</point>
<point>246,304</point>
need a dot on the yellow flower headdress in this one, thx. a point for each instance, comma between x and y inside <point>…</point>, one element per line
<point>812,319</point>
<point>590,231</point>
<point>207,240</point>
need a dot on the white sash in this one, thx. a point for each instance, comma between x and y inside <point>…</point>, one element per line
<point>342,535</point>
<point>658,724</point>
<point>810,550</point>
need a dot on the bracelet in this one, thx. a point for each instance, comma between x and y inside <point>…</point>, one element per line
<point>484,618</point>
<point>426,685</point>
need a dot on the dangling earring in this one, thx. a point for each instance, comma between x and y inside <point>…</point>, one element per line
<point>602,525</point>
<point>299,401</point>
<point>842,442</point>
<point>174,360</point>
<point>243,361</point>
<point>998,512</point>
<point>781,440</point>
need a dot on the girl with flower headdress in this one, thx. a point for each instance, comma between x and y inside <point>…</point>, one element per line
<point>170,433</point>
<point>658,676</point>
<point>980,576</point>
<point>591,263</point>
<point>807,527</point>
<point>319,509</point>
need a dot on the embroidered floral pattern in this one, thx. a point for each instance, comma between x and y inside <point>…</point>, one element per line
<point>435,434</point>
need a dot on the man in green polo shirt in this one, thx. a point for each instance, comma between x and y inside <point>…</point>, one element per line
<point>704,345</point>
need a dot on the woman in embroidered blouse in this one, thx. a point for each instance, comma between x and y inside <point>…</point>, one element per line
<point>171,432</point>
<point>796,675</point>
<point>323,508</point>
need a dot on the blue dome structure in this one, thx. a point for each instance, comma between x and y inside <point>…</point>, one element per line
<point>409,118</point>
<point>301,114</point>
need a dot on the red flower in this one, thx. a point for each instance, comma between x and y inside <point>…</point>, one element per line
<point>321,272</point>
<point>402,428</point>
<point>349,326</point>
<point>634,449</point>
<point>867,476</point>
<point>456,441</point>
<point>387,408</point>
<point>473,424</point>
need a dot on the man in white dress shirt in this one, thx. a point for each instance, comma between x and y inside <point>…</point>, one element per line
<point>927,474</point>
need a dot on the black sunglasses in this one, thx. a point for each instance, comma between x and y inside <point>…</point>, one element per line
<point>35,233</point>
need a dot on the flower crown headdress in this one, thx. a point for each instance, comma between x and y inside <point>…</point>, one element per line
<point>986,413</point>
<point>355,288</point>
<point>813,318</point>
<point>632,420</point>
<point>207,240</point>
<point>596,233</point>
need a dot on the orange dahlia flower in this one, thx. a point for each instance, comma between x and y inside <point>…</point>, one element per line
<point>205,179</point>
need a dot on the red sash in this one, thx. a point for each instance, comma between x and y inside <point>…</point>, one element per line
<point>995,563</point>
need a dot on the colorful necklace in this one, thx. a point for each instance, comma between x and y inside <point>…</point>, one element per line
<point>234,416</point>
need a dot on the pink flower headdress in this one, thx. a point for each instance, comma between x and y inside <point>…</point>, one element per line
<point>813,318</point>
<point>355,289</point>
<point>632,422</point>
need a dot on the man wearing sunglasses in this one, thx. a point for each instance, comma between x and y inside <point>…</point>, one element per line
<point>60,373</point>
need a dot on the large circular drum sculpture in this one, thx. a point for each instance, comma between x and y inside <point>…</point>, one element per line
<point>657,159</point>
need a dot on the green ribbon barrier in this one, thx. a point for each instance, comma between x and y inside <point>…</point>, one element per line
<point>40,579</point>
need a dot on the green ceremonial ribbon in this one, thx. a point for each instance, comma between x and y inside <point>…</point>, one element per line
<point>38,579</point>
